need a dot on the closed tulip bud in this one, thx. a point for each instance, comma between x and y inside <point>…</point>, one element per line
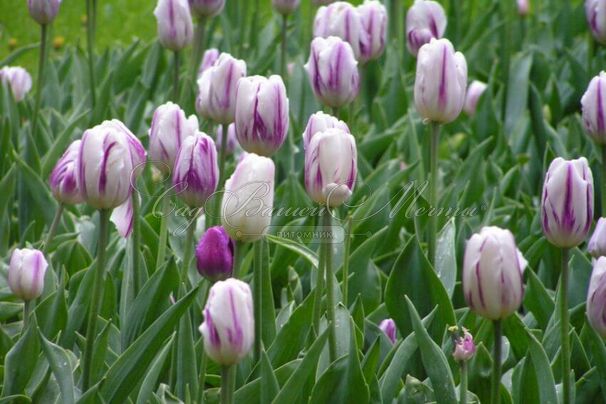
<point>18,80</point>
<point>374,24</point>
<point>595,11</point>
<point>333,71</point>
<point>217,89</point>
<point>523,8</point>
<point>229,323</point>
<point>215,254</point>
<point>474,92</point>
<point>206,8</point>
<point>597,242</point>
<point>425,20</point>
<point>594,108</point>
<point>249,198</point>
<point>43,11</point>
<point>596,297</point>
<point>64,179</point>
<point>331,167</point>
<point>261,114</point>
<point>196,172</point>
<point>285,7</point>
<point>342,20</point>
<point>441,81</point>
<point>175,26</point>
<point>208,59</point>
<point>232,140</point>
<point>319,122</point>
<point>388,326</point>
<point>567,202</point>
<point>169,129</point>
<point>26,273</point>
<point>464,347</point>
<point>492,273</point>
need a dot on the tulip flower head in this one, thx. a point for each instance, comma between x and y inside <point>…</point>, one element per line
<point>215,254</point>
<point>26,273</point>
<point>388,326</point>
<point>474,92</point>
<point>594,109</point>
<point>64,179</point>
<point>425,20</point>
<point>175,26</point>
<point>206,8</point>
<point>464,347</point>
<point>595,11</point>
<point>342,20</point>
<point>597,242</point>
<point>43,11</point>
<point>319,122</point>
<point>596,297</point>
<point>523,7</point>
<point>18,80</point>
<point>374,24</point>
<point>285,7</point>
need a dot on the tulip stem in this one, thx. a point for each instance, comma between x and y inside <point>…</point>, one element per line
<point>198,49</point>
<point>505,50</point>
<point>222,158</point>
<point>163,230</point>
<point>228,382</point>
<point>187,252</point>
<point>330,291</point>
<point>52,230</point>
<point>433,191</point>
<point>495,396</point>
<point>176,66</point>
<point>136,242</point>
<point>463,384</point>
<point>238,255</point>
<point>346,251</point>
<point>564,324</point>
<point>283,48</point>
<point>603,147</point>
<point>202,377</point>
<point>319,290</point>
<point>258,295</point>
<point>27,309</point>
<point>95,302</point>
<point>90,42</point>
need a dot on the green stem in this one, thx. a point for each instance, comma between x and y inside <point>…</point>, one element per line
<point>176,67</point>
<point>347,248</point>
<point>433,191</point>
<point>202,378</point>
<point>603,147</point>
<point>319,290</point>
<point>283,47</point>
<point>495,396</point>
<point>228,381</point>
<point>258,298</point>
<point>590,53</point>
<point>564,324</point>
<point>253,27</point>
<point>27,310</point>
<point>136,242</point>
<point>163,230</point>
<point>96,299</point>
<point>238,256</point>
<point>188,252</point>
<point>330,291</point>
<point>52,230</point>
<point>198,49</point>
<point>505,53</point>
<point>222,159</point>
<point>90,43</point>
<point>40,85</point>
<point>463,385</point>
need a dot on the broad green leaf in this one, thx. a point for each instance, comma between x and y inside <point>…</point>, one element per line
<point>20,361</point>
<point>59,362</point>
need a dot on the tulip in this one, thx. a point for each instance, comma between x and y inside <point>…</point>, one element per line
<point>319,122</point>
<point>63,179</point>
<point>464,347</point>
<point>232,140</point>
<point>196,172</point>
<point>215,254</point>
<point>597,242</point>
<point>261,114</point>
<point>595,11</point>
<point>217,89</point>
<point>388,326</point>
<point>596,297</point>
<point>523,8</point>
<point>425,20</point>
<point>333,71</point>
<point>342,20</point>
<point>594,109</point>
<point>43,11</point>
<point>285,7</point>
<point>208,59</point>
<point>18,79</point>
<point>474,92</point>
<point>206,8</point>
<point>169,129</point>
<point>440,82</point>
<point>26,273</point>
<point>567,202</point>
<point>228,327</point>
<point>374,24</point>
<point>331,167</point>
<point>175,26</point>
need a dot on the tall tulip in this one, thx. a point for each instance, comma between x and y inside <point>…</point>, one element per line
<point>596,297</point>
<point>342,20</point>
<point>374,23</point>
<point>425,20</point>
<point>18,80</point>
<point>595,11</point>
<point>319,122</point>
<point>43,11</point>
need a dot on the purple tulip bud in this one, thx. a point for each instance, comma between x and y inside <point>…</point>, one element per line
<point>229,323</point>
<point>388,326</point>
<point>261,114</point>
<point>26,273</point>
<point>464,347</point>
<point>206,8</point>
<point>492,273</point>
<point>567,202</point>
<point>196,172</point>
<point>596,297</point>
<point>333,71</point>
<point>319,122</point>
<point>597,242</point>
<point>285,7</point>
<point>208,59</point>
<point>594,108</point>
<point>331,167</point>
<point>523,7</point>
<point>595,11</point>
<point>374,24</point>
<point>425,20</point>
<point>215,254</point>
<point>169,129</point>
<point>217,89</point>
<point>18,79</point>
<point>175,26</point>
<point>441,81</point>
<point>232,140</point>
<point>43,11</point>
<point>64,177</point>
<point>342,20</point>
<point>474,92</point>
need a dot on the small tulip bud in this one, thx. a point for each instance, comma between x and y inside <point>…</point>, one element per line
<point>229,323</point>
<point>388,326</point>
<point>319,122</point>
<point>249,198</point>
<point>169,129</point>
<point>597,242</point>
<point>492,273</point>
<point>261,114</point>
<point>196,172</point>
<point>523,7</point>
<point>26,273</point>
<point>425,20</point>
<point>374,24</point>
<point>441,81</point>
<point>285,7</point>
<point>206,8</point>
<point>333,71</point>
<point>217,89</point>
<point>18,80</point>
<point>232,140</point>
<point>43,11</point>
<point>331,167</point>
<point>474,92</point>
<point>595,11</point>
<point>208,59</point>
<point>175,26</point>
<point>215,254</point>
<point>594,108</point>
<point>464,347</point>
<point>567,202</point>
<point>64,179</point>
<point>342,20</point>
<point>596,297</point>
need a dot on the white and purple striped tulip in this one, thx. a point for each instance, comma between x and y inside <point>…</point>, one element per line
<point>229,323</point>
<point>208,59</point>
<point>196,172</point>
<point>206,8</point>
<point>169,129</point>
<point>64,179</point>
<point>567,202</point>
<point>215,254</point>
<point>232,140</point>
<point>43,11</point>
<point>595,11</point>
<point>523,7</point>
<point>388,326</point>
<point>597,242</point>
<point>175,26</point>
<point>474,92</point>
<point>425,20</point>
<point>217,89</point>
<point>374,24</point>
<point>333,71</point>
<point>441,82</point>
<point>26,273</point>
<point>464,347</point>
<point>248,201</point>
<point>492,273</point>
<point>596,297</point>
<point>285,7</point>
<point>319,122</point>
<point>593,105</point>
<point>17,79</point>
<point>261,114</point>
<point>331,167</point>
<point>342,20</point>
